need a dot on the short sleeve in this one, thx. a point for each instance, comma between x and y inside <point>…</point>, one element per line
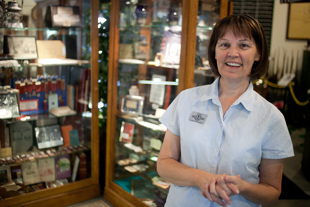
<point>277,143</point>
<point>171,116</point>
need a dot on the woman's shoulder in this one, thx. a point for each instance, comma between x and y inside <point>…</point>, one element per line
<point>262,104</point>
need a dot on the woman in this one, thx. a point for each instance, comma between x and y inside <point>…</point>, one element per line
<point>224,143</point>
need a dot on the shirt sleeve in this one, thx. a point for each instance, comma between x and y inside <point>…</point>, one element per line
<point>171,116</point>
<point>277,143</point>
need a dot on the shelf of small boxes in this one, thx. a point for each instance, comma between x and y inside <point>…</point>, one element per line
<point>37,170</point>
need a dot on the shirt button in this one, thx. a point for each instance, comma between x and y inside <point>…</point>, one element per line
<point>216,149</point>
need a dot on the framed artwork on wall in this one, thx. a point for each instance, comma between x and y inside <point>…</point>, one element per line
<point>298,21</point>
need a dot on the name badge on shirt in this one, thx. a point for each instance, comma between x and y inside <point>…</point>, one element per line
<point>198,117</point>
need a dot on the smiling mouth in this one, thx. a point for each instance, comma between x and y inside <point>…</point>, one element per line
<point>233,64</point>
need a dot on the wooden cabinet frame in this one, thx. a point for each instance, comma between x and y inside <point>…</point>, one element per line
<point>89,188</point>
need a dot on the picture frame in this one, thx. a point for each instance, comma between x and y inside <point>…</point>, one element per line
<point>298,21</point>
<point>9,105</point>
<point>21,47</point>
<point>48,136</point>
<point>132,104</point>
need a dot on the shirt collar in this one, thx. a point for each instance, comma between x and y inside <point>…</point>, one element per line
<point>246,99</point>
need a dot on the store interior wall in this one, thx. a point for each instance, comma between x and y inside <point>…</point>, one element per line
<point>279,42</point>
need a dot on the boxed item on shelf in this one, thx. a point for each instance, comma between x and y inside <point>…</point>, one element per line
<point>41,94</point>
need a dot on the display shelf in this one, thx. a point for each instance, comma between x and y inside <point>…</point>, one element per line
<point>50,159</point>
<point>206,27</point>
<point>47,62</point>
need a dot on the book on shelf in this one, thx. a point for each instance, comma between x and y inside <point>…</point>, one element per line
<point>75,168</point>
<point>65,130</point>
<point>82,166</point>
<point>70,96</point>
<point>77,123</point>
<point>21,136</point>
<point>76,95</point>
<point>47,169</point>
<point>62,111</point>
<point>74,137</point>
<point>62,166</point>
<point>2,133</point>
<point>83,95</point>
<point>30,173</point>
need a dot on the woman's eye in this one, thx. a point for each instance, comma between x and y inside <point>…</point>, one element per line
<point>224,45</point>
<point>244,45</point>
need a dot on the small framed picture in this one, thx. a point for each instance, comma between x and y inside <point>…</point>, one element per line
<point>5,174</point>
<point>49,136</point>
<point>132,104</point>
<point>21,47</point>
<point>9,105</point>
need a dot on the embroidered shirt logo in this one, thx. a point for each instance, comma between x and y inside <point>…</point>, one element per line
<point>198,117</point>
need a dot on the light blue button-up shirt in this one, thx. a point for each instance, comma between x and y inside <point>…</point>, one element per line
<point>251,129</point>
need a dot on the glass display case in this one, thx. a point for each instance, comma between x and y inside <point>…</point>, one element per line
<point>48,108</point>
<point>153,57</point>
<point>209,13</point>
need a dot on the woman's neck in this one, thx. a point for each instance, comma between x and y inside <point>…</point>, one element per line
<point>232,89</point>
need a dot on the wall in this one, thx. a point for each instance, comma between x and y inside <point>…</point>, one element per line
<point>280,45</point>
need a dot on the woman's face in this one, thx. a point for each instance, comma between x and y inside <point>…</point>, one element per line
<point>235,56</point>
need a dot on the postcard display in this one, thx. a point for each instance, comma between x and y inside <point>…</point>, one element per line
<point>45,118</point>
<point>153,63</point>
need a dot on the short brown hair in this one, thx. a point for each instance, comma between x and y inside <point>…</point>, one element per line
<point>247,26</point>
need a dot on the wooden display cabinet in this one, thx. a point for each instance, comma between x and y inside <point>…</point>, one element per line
<point>152,49</point>
<point>84,185</point>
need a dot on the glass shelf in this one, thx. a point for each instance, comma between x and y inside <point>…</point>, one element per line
<point>45,29</point>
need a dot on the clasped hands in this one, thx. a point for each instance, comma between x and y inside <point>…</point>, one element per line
<point>221,188</point>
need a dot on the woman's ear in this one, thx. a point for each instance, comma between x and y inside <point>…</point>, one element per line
<point>257,57</point>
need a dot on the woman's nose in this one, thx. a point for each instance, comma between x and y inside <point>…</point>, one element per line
<point>233,52</point>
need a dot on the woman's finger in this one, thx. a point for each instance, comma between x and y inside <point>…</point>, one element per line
<point>214,194</point>
<point>223,195</point>
<point>212,188</point>
<point>222,183</point>
<point>207,194</point>
<point>218,201</point>
<point>232,183</point>
<point>233,188</point>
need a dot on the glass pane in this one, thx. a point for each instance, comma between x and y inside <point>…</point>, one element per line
<point>46,139</point>
<point>208,15</point>
<point>149,56</point>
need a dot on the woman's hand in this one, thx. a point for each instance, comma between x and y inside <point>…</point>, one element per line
<point>219,190</point>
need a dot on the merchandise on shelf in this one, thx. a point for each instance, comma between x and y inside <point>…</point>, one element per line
<point>37,95</point>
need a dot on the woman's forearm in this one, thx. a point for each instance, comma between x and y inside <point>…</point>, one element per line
<point>260,193</point>
<point>181,175</point>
